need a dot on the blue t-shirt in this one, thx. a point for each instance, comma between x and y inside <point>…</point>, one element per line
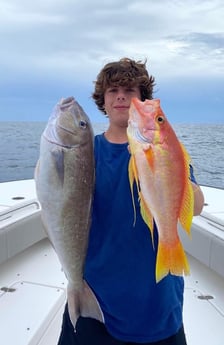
<point>120,263</point>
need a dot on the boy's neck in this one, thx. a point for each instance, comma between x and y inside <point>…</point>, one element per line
<point>116,135</point>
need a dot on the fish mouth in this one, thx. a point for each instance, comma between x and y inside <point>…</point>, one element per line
<point>66,102</point>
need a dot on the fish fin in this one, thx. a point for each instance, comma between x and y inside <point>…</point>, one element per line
<point>73,297</point>
<point>171,259</point>
<point>83,302</point>
<point>135,172</point>
<point>146,215</point>
<point>90,306</point>
<point>187,206</point>
<point>58,158</point>
<point>133,176</point>
<point>150,157</point>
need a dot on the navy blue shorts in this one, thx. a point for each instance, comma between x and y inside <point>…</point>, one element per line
<point>93,332</point>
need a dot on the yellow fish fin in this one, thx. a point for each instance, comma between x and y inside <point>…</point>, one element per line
<point>187,207</point>
<point>150,157</point>
<point>171,258</point>
<point>146,215</point>
<point>132,174</point>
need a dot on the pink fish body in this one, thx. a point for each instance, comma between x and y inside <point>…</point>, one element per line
<point>160,166</point>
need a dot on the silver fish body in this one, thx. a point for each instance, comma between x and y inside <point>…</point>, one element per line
<point>64,179</point>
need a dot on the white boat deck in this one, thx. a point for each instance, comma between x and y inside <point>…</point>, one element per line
<point>204,305</point>
<point>33,286</point>
<point>15,193</point>
<point>32,296</point>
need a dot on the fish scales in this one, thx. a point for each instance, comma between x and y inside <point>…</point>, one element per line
<point>64,182</point>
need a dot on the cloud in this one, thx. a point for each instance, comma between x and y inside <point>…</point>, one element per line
<point>210,44</point>
<point>52,45</point>
<point>52,36</point>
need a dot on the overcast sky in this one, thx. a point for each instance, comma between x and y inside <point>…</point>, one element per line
<point>55,48</point>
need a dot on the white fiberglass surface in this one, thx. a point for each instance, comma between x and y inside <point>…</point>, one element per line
<point>203,305</point>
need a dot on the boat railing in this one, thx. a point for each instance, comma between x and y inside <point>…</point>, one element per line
<point>20,228</point>
<point>206,242</point>
<point>213,220</point>
<point>21,209</point>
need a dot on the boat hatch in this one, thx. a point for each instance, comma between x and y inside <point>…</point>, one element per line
<point>203,319</point>
<point>30,309</point>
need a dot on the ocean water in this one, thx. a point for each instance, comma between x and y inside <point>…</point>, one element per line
<point>19,149</point>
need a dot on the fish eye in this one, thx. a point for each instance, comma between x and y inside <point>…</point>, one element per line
<point>160,119</point>
<point>83,124</point>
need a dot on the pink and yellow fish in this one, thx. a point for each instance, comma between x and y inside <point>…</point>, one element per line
<point>159,164</point>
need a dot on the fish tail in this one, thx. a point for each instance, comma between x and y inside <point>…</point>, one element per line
<point>171,258</point>
<point>74,303</point>
<point>90,306</point>
<point>83,302</point>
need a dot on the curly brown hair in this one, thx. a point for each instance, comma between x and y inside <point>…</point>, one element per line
<point>125,72</point>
